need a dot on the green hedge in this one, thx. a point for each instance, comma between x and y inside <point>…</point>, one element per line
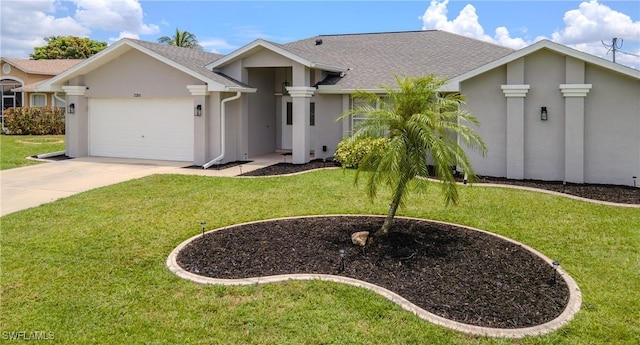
<point>351,151</point>
<point>34,120</point>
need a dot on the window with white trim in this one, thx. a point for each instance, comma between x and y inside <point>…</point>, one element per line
<point>38,100</point>
<point>356,103</point>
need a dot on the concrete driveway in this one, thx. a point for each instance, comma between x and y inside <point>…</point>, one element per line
<point>31,186</point>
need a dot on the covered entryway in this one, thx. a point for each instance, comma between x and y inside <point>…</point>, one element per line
<point>156,128</point>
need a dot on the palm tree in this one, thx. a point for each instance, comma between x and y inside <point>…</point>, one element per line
<point>183,39</point>
<point>424,127</point>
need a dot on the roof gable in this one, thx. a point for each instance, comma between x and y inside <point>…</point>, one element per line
<point>187,60</point>
<point>279,49</point>
<point>546,44</point>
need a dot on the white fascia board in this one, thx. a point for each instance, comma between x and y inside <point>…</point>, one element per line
<point>328,68</point>
<point>556,47</point>
<point>112,52</point>
<point>241,52</point>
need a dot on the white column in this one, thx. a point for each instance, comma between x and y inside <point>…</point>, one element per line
<point>200,123</point>
<point>574,95</point>
<point>76,124</point>
<point>301,98</point>
<point>515,95</point>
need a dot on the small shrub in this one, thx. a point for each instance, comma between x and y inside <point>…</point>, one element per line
<point>34,120</point>
<point>350,152</point>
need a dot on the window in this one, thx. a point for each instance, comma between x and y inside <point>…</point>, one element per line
<point>312,114</point>
<point>357,119</point>
<point>11,99</point>
<point>38,100</point>
<point>289,113</point>
<point>358,103</point>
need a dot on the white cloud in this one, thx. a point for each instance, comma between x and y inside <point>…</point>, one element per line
<point>466,23</point>
<point>19,36</point>
<point>125,16</point>
<point>585,28</point>
<point>217,45</point>
<point>592,22</point>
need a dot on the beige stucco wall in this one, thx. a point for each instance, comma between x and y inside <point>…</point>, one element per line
<point>136,73</point>
<point>486,102</point>
<point>612,127</point>
<point>544,140</point>
<point>327,131</point>
<point>611,121</point>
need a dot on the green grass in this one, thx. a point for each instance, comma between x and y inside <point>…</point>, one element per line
<point>91,267</point>
<point>14,149</point>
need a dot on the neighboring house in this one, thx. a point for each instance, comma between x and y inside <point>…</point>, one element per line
<point>139,99</point>
<point>20,77</point>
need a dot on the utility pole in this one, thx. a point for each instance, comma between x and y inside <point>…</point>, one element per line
<point>613,47</point>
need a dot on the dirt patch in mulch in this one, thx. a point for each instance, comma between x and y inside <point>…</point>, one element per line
<point>460,274</point>
<point>602,192</point>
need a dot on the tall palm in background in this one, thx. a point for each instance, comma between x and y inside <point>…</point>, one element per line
<point>424,127</point>
<point>183,39</point>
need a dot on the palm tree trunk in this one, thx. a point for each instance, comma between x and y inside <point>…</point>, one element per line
<point>388,221</point>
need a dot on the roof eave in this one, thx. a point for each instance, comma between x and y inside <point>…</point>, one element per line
<point>556,47</point>
<point>118,49</point>
<point>243,51</point>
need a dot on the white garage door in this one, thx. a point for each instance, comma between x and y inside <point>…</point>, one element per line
<point>141,128</point>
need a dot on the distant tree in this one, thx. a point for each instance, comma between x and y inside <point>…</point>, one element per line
<point>183,39</point>
<point>67,47</point>
<point>423,126</point>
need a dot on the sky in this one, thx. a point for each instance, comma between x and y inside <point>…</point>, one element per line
<point>224,26</point>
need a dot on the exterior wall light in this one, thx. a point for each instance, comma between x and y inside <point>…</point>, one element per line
<point>543,114</point>
<point>197,111</point>
<point>72,108</point>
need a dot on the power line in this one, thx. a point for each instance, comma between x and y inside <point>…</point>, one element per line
<point>632,54</point>
<point>613,47</point>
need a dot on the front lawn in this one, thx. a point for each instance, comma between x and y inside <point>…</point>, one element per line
<point>14,149</point>
<point>91,268</point>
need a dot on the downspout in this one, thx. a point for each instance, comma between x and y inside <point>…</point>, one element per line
<point>222,131</point>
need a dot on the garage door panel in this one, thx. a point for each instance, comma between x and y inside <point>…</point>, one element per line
<point>147,129</point>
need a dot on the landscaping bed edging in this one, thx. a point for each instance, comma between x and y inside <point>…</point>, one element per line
<point>572,307</point>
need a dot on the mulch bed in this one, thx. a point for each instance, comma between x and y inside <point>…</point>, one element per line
<point>610,193</point>
<point>459,274</point>
<point>220,166</point>
<point>290,168</point>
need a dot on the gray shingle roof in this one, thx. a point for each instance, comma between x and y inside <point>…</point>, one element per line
<point>193,59</point>
<point>374,59</point>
